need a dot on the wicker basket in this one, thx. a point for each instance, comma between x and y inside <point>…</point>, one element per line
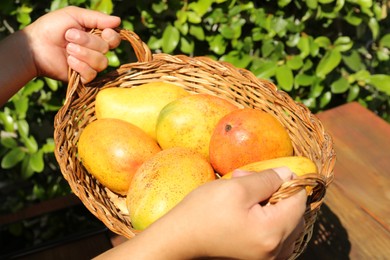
<point>197,75</point>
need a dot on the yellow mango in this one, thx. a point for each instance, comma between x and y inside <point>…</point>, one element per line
<point>139,105</point>
<point>299,165</point>
<point>163,181</point>
<point>189,121</point>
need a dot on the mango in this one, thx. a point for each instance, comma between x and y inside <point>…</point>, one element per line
<point>247,135</point>
<point>139,105</point>
<point>300,165</point>
<point>189,121</point>
<point>163,181</point>
<point>112,150</point>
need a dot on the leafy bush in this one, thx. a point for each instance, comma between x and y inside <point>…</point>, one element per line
<point>322,52</point>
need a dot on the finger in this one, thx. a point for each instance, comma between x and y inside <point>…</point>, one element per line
<point>95,60</point>
<point>93,19</point>
<point>87,40</point>
<point>111,37</point>
<point>290,243</point>
<point>87,74</point>
<point>259,186</point>
<point>289,211</point>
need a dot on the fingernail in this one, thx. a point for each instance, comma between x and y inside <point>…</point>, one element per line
<point>284,173</point>
<point>72,48</point>
<point>72,34</point>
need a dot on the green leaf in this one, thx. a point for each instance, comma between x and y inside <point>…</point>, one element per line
<point>32,87</point>
<point>325,99</point>
<point>329,62</point>
<point>239,60</point>
<point>23,128</point>
<point>226,31</point>
<point>51,83</point>
<point>374,27</point>
<point>284,77</point>
<point>283,3</point>
<point>113,59</point>
<point>304,80</point>
<point>159,7</point>
<point>316,90</point>
<point>200,7</point>
<point>339,86</point>
<point>12,158</point>
<point>267,48</point>
<point>264,69</point>
<point>26,169</point>
<point>354,61</point>
<point>353,19</point>
<point>170,39</point>
<point>8,122</point>
<point>323,42</point>
<point>154,43</point>
<point>197,32</point>
<point>312,4</point>
<point>353,93</point>
<point>181,16</point>
<point>193,17</point>
<point>31,144</point>
<point>304,46</point>
<point>58,4</point>
<point>21,106</point>
<point>186,46</point>
<point>104,6</point>
<point>49,146</point>
<point>294,62</point>
<point>36,162</point>
<point>385,41</point>
<point>8,142</point>
<point>217,44</point>
<point>343,43</point>
<point>381,82</point>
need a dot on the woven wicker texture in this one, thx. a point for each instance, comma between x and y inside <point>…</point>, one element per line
<point>197,75</point>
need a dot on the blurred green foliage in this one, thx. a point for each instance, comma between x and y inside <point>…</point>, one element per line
<point>322,52</point>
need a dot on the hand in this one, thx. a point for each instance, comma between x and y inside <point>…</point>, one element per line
<point>223,218</point>
<point>59,39</point>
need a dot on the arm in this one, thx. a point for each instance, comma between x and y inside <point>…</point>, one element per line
<point>223,218</point>
<point>52,43</point>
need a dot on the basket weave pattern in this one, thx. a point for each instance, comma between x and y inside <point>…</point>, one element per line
<point>196,75</point>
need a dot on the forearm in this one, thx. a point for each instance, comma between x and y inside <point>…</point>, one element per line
<point>16,65</point>
<point>166,239</point>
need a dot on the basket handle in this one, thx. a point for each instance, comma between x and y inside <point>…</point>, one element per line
<point>313,182</point>
<point>141,50</point>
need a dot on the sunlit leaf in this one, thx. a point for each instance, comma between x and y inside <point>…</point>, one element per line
<point>374,27</point>
<point>328,63</point>
<point>325,99</point>
<point>104,6</point>
<point>381,82</point>
<point>339,86</point>
<point>23,128</point>
<point>284,77</point>
<point>8,142</point>
<point>197,32</point>
<point>186,46</point>
<point>12,158</point>
<point>170,39</point>
<point>36,161</point>
<point>200,7</point>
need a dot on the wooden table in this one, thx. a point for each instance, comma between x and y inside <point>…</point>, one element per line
<point>354,221</point>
